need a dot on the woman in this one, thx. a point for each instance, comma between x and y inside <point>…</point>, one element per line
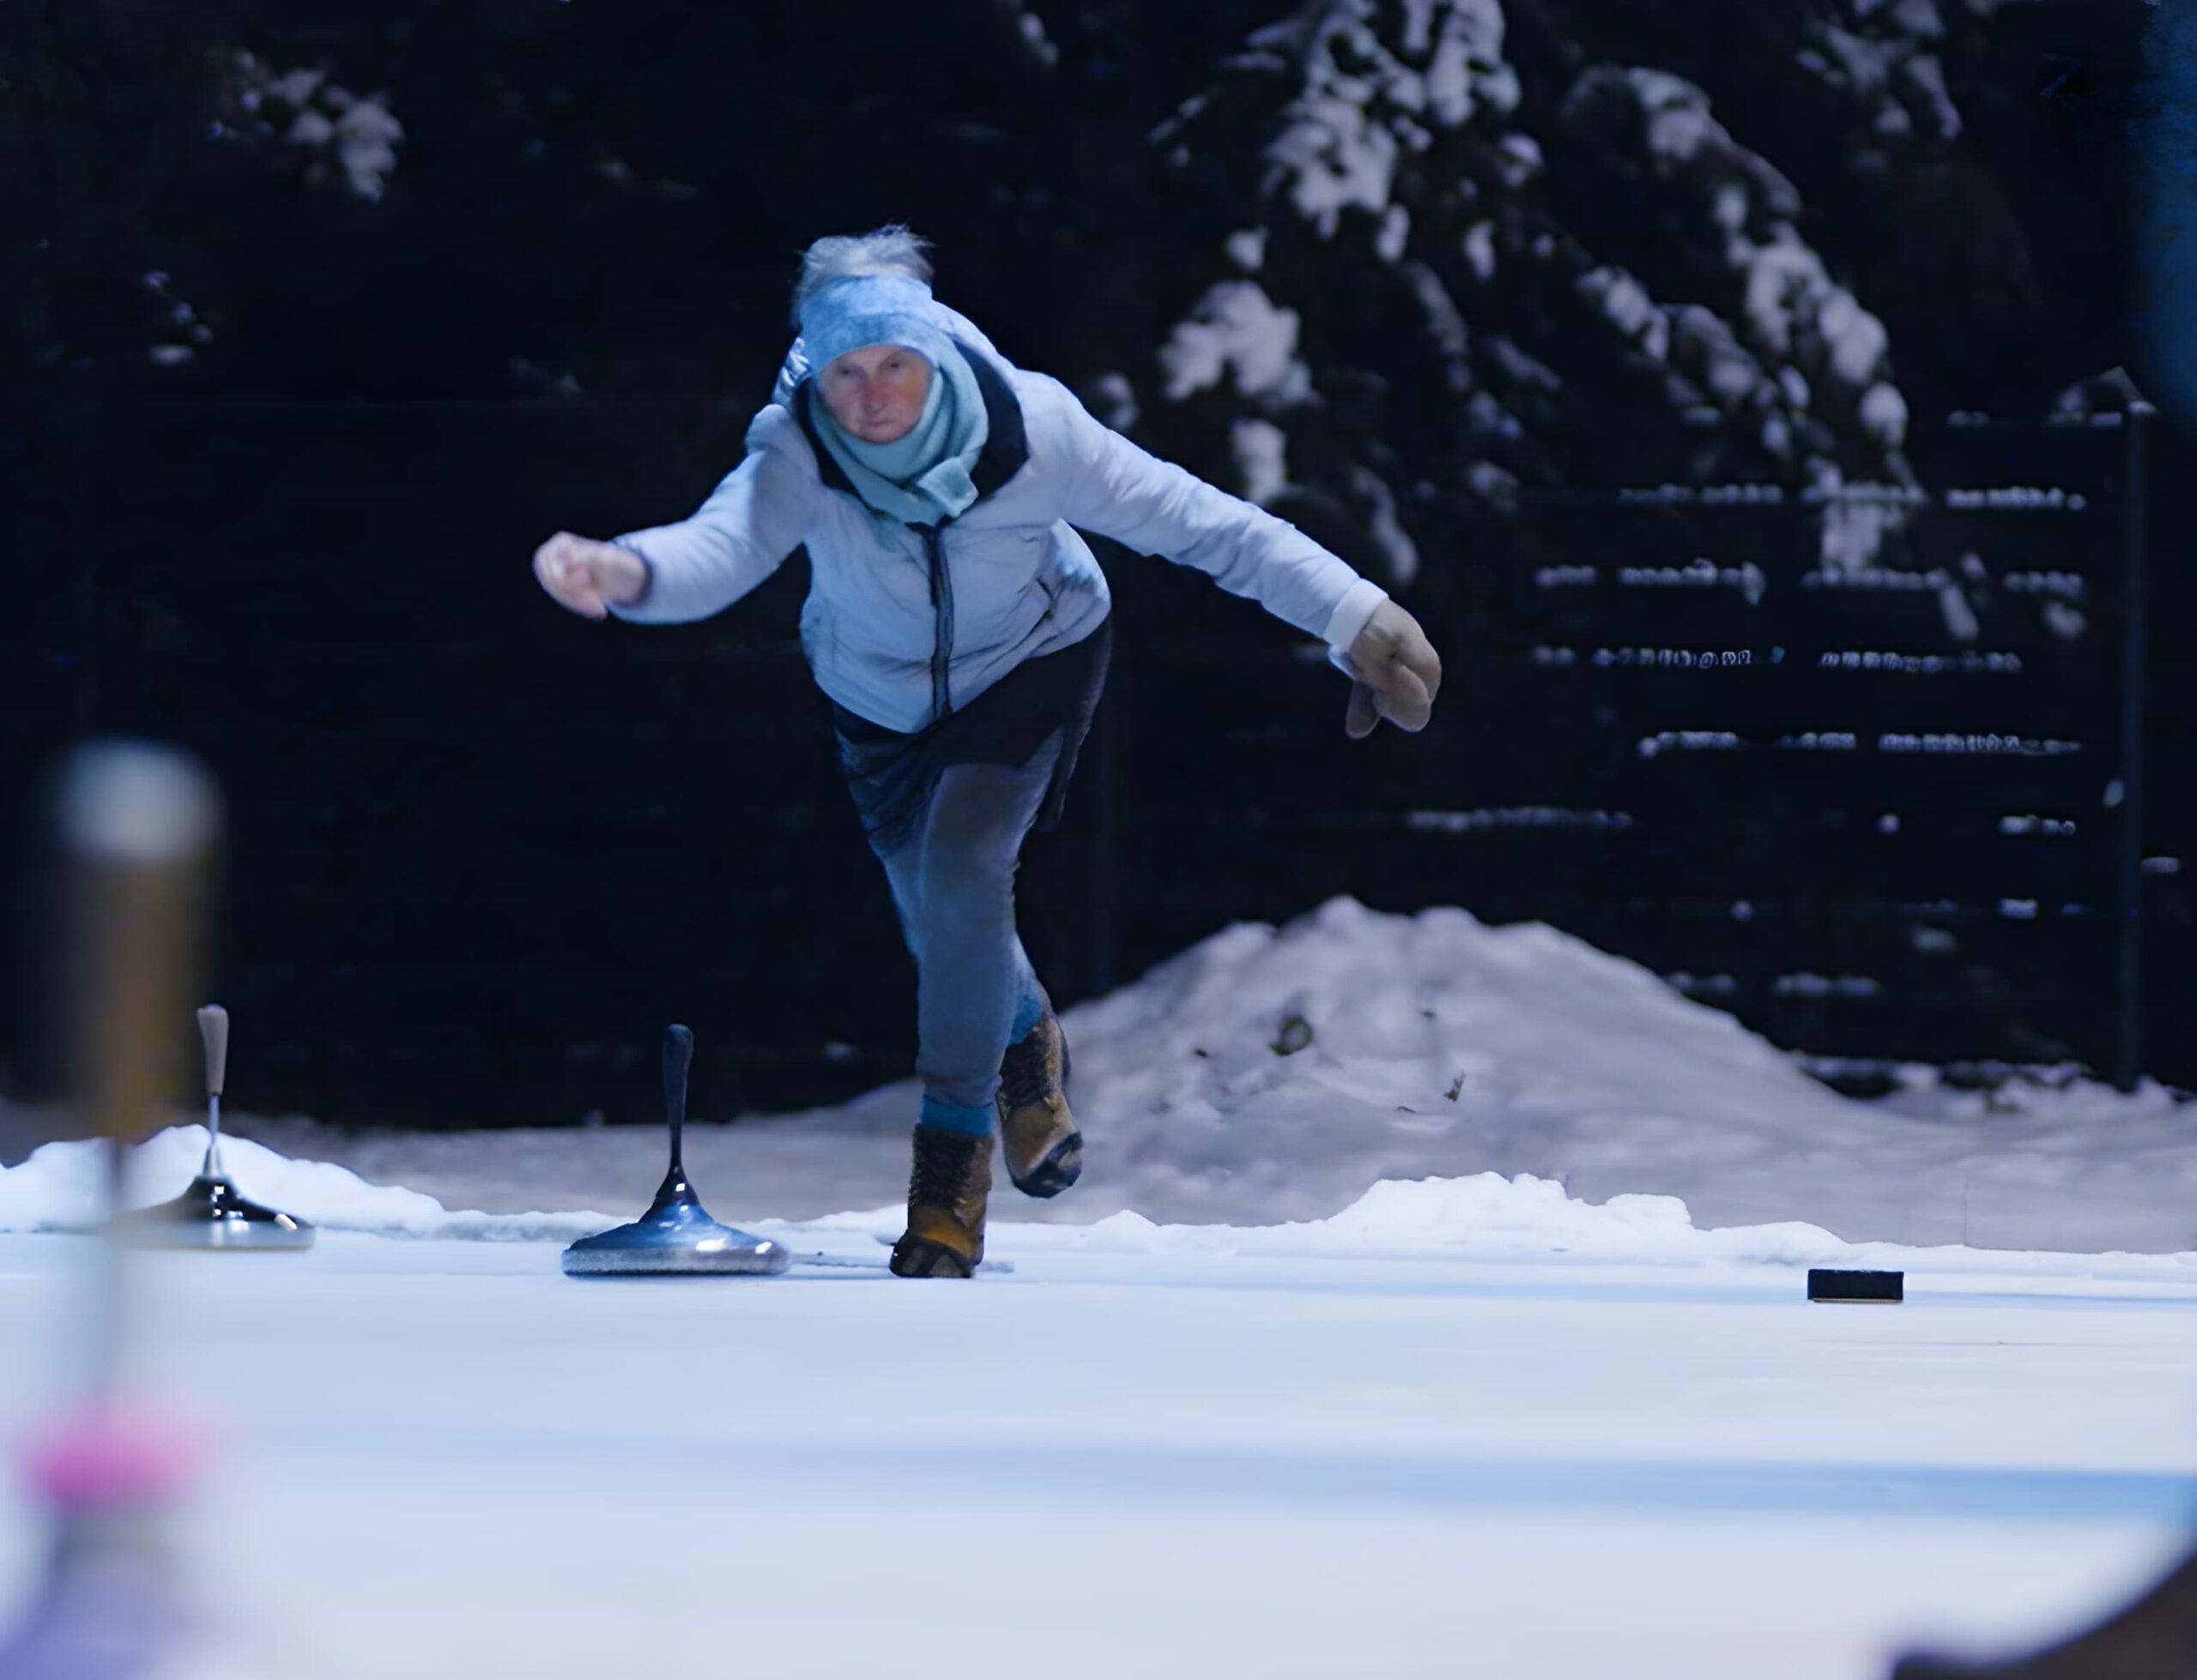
<point>959,626</point>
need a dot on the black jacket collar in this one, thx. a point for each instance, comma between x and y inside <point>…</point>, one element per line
<point>1007,443</point>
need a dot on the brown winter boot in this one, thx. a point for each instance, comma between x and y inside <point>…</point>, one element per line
<point>2153,1638</point>
<point>952,1175</point>
<point>1036,1133</point>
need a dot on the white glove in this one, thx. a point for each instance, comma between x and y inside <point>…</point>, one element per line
<point>1394,673</point>
<point>588,576</point>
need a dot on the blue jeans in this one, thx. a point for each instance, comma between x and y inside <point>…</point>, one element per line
<point>952,881</point>
<point>945,811</point>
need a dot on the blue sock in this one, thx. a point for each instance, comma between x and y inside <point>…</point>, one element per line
<point>957,1117</point>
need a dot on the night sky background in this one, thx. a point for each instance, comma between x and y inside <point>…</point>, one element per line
<point>283,416</point>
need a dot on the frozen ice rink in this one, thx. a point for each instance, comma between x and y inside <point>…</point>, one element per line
<point>1221,1455</point>
<point>1469,1340</point>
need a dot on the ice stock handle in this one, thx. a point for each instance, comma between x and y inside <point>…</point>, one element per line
<point>214,1030</point>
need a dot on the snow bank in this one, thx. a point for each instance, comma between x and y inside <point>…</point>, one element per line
<point>1276,1073</point>
<point>1490,1219</point>
<point>1485,1216</point>
<point>59,1189</point>
<point>1273,1077</point>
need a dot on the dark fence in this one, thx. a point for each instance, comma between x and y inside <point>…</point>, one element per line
<point>1863,767</point>
<point>1874,793</point>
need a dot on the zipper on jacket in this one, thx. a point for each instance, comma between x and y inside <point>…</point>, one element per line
<point>942,607</point>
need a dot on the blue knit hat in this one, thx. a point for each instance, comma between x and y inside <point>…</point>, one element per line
<point>870,309</point>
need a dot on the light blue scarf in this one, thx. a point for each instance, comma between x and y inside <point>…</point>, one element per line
<point>922,478</point>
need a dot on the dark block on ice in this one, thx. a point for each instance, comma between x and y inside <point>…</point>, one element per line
<point>1826,1285</point>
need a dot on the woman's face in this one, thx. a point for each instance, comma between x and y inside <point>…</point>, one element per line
<point>876,393</point>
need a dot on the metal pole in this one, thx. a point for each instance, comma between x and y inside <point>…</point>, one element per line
<point>2128,1050</point>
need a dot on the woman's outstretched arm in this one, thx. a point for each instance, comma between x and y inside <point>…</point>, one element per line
<point>698,566</point>
<point>1113,488</point>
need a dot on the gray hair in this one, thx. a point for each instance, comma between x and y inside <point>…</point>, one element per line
<point>891,250</point>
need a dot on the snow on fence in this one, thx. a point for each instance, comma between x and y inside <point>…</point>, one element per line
<point>1856,766</point>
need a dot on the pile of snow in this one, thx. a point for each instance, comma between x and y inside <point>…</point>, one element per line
<point>61,1187</point>
<point>1434,1046</point>
<point>1274,1076</point>
<point>1490,1219</point>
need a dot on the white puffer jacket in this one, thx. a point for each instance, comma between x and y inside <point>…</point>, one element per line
<point>902,624</point>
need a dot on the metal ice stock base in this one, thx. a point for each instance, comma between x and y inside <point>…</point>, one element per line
<point>213,1213</point>
<point>677,1237</point>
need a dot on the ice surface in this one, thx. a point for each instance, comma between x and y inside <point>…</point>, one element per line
<point>1501,1367</point>
<point>1174,1455</point>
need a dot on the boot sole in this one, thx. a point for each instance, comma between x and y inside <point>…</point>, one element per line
<point>1061,1167</point>
<point>920,1257</point>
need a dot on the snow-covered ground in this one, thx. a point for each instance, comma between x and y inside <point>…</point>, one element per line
<point>1558,1408</point>
<point>1433,1046</point>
